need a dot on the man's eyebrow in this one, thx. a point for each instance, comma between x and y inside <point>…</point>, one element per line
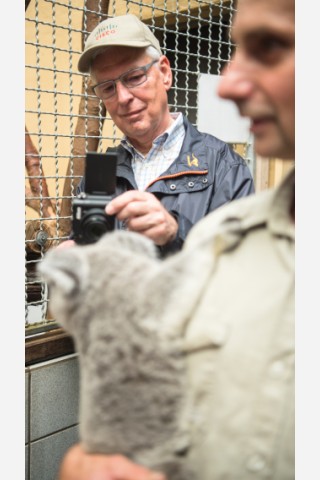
<point>262,32</point>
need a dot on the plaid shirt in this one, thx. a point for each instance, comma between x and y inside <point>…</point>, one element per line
<point>165,149</point>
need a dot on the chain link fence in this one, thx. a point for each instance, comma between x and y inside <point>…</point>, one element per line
<point>64,120</point>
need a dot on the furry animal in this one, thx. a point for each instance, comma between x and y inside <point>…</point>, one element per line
<point>112,297</point>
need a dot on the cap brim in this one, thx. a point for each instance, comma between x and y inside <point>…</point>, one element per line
<point>85,59</point>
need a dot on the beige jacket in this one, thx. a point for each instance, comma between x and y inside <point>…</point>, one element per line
<point>225,408</point>
<point>240,341</point>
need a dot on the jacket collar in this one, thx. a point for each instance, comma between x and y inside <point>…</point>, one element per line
<point>192,156</point>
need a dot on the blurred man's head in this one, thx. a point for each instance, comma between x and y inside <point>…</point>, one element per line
<point>260,78</point>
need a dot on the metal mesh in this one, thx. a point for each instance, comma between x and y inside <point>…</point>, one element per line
<point>64,120</point>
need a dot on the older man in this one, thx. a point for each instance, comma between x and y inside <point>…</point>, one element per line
<point>169,175</point>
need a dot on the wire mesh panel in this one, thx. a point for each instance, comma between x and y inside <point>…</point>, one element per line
<point>64,120</point>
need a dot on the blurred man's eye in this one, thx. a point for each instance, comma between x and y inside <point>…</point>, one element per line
<point>267,49</point>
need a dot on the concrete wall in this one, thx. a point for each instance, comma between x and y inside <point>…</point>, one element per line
<point>51,415</point>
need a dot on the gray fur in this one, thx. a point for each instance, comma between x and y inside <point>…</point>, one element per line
<point>112,297</point>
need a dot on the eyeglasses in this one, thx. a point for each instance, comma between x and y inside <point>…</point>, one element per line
<point>130,79</point>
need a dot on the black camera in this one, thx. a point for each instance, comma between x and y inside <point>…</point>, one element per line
<point>89,220</point>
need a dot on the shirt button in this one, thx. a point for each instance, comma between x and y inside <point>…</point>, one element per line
<point>190,184</point>
<point>173,186</point>
<point>204,180</point>
<point>256,463</point>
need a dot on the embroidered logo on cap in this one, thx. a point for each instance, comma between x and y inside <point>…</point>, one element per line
<point>105,30</point>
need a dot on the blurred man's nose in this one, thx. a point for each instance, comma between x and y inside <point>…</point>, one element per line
<point>234,83</point>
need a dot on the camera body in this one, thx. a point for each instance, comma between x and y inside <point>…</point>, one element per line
<point>89,220</point>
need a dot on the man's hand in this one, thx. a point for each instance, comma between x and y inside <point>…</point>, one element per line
<point>143,213</point>
<point>79,465</point>
<point>66,244</point>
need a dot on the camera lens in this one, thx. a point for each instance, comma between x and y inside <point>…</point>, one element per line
<point>95,224</point>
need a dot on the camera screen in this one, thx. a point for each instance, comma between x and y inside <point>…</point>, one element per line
<point>100,173</point>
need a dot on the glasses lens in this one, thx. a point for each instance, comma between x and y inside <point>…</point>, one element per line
<point>131,79</point>
<point>105,90</point>
<point>134,78</point>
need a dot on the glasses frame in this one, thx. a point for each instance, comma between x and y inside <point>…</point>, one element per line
<point>145,68</point>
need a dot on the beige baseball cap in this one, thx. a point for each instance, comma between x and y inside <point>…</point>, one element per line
<point>125,30</point>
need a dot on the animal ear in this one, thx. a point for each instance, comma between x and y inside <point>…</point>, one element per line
<point>65,271</point>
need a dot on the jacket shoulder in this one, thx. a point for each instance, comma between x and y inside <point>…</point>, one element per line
<point>210,146</point>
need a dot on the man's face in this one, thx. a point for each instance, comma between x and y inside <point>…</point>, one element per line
<point>260,78</point>
<point>141,113</point>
